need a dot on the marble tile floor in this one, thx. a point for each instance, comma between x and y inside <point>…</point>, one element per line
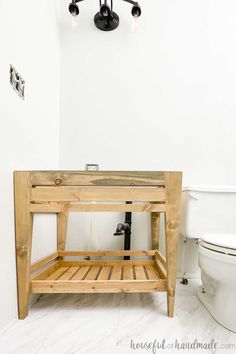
<point>114,324</point>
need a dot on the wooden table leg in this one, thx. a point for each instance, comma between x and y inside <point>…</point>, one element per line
<point>23,237</point>
<point>62,221</point>
<point>155,230</point>
<point>173,194</point>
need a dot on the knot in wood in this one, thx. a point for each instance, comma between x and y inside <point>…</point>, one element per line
<point>172,225</point>
<point>58,181</point>
<point>171,292</point>
<point>21,250</point>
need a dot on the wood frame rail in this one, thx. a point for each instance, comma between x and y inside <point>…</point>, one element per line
<point>61,192</point>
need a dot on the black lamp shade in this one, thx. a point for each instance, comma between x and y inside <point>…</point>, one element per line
<point>74,9</point>
<point>136,11</point>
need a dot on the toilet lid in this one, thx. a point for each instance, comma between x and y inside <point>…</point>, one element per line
<point>220,243</point>
<point>221,240</point>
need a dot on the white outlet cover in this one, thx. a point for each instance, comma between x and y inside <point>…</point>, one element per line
<point>92,167</point>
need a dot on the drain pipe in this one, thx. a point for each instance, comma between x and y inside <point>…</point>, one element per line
<point>125,229</point>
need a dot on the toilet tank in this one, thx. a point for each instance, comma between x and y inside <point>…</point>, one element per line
<point>208,209</point>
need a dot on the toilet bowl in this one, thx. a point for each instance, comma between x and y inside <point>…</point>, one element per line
<point>208,214</point>
<point>217,260</point>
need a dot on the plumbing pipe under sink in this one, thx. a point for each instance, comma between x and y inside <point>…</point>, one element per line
<point>125,229</point>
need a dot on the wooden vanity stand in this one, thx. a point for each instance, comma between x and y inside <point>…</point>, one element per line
<point>62,192</point>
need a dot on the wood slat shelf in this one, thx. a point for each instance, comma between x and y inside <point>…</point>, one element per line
<point>61,192</point>
<point>99,277</point>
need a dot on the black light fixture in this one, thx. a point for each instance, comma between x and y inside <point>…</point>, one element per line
<point>136,10</point>
<point>74,8</point>
<point>106,19</point>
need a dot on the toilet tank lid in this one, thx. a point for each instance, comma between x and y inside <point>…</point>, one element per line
<point>220,239</point>
<point>210,188</point>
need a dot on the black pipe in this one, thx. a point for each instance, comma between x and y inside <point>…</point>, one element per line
<point>127,238</point>
<point>125,229</point>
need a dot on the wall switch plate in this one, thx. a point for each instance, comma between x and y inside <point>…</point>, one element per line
<point>92,167</point>
<point>17,82</point>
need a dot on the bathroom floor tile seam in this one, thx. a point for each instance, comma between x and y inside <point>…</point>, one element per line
<point>105,323</point>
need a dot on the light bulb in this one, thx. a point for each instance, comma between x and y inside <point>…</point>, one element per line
<point>135,23</point>
<point>74,23</point>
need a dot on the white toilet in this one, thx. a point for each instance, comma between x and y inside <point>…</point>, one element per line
<point>209,214</point>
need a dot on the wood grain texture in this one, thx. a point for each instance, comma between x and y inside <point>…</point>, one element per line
<point>74,191</point>
<point>104,273</point>
<point>81,273</point>
<point>23,237</point>
<point>98,178</point>
<point>173,194</point>
<point>140,273</point>
<point>108,253</point>
<point>46,272</point>
<point>68,274</point>
<point>100,278</point>
<point>152,272</point>
<point>43,261</point>
<point>57,274</point>
<point>161,270</point>
<point>62,207</point>
<point>161,258</point>
<point>94,286</point>
<point>108,262</point>
<point>155,229</point>
<point>62,221</point>
<point>89,194</point>
<point>93,273</point>
<point>116,272</point>
<point>128,272</point>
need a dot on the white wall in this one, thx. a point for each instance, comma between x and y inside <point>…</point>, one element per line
<point>29,133</point>
<point>161,98</point>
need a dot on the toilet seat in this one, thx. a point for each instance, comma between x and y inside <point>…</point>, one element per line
<point>221,243</point>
